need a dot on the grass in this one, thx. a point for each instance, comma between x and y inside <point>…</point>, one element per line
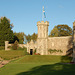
<point>38,65</point>
<point>7,55</point>
<point>39,59</point>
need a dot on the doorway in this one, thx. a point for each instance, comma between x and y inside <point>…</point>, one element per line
<point>31,51</point>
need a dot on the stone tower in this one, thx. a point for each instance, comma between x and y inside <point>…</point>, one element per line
<point>42,40</point>
<point>74,41</point>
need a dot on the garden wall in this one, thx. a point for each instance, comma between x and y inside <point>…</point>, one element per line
<point>60,43</point>
<point>7,45</point>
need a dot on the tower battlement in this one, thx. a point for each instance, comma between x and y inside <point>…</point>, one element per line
<point>43,23</point>
<point>74,23</point>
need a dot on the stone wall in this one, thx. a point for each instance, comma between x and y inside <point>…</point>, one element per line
<point>60,43</point>
<point>44,43</point>
<point>29,46</point>
<point>7,45</point>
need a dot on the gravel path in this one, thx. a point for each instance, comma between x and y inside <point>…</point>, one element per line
<point>3,62</point>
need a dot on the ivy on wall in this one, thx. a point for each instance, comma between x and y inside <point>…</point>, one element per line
<point>55,51</point>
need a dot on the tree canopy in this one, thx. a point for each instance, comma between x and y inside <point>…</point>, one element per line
<point>61,30</point>
<point>19,37</point>
<point>6,34</point>
<point>33,37</point>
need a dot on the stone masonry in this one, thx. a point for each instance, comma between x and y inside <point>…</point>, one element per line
<point>42,40</point>
<point>73,41</point>
<point>44,43</point>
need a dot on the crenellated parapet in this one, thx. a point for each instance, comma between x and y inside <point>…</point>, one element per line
<point>43,23</point>
<point>42,29</point>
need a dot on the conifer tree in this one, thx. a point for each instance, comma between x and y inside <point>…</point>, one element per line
<point>6,34</point>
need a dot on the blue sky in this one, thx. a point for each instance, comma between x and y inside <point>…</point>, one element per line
<point>25,14</point>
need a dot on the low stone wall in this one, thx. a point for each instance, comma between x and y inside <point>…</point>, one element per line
<point>59,43</point>
<point>7,45</point>
<point>22,45</point>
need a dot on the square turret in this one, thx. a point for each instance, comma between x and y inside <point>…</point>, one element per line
<point>42,29</point>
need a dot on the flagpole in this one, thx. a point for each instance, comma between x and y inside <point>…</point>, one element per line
<point>42,13</point>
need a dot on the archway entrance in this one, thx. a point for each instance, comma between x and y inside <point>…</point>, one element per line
<point>31,51</point>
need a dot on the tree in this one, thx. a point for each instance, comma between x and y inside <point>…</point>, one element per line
<point>19,37</point>
<point>61,30</point>
<point>6,34</point>
<point>28,37</point>
<point>15,38</point>
<point>54,32</point>
<point>34,37</point>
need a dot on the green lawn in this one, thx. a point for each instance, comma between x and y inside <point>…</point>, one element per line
<point>38,65</point>
<point>11,54</point>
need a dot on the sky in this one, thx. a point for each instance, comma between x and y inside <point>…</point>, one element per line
<point>24,14</point>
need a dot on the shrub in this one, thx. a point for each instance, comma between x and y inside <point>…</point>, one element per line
<point>35,51</point>
<point>15,45</point>
<point>66,59</point>
<point>2,47</point>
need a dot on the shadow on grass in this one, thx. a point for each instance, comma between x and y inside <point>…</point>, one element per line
<point>51,69</point>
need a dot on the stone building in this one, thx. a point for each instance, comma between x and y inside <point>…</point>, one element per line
<point>44,43</point>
